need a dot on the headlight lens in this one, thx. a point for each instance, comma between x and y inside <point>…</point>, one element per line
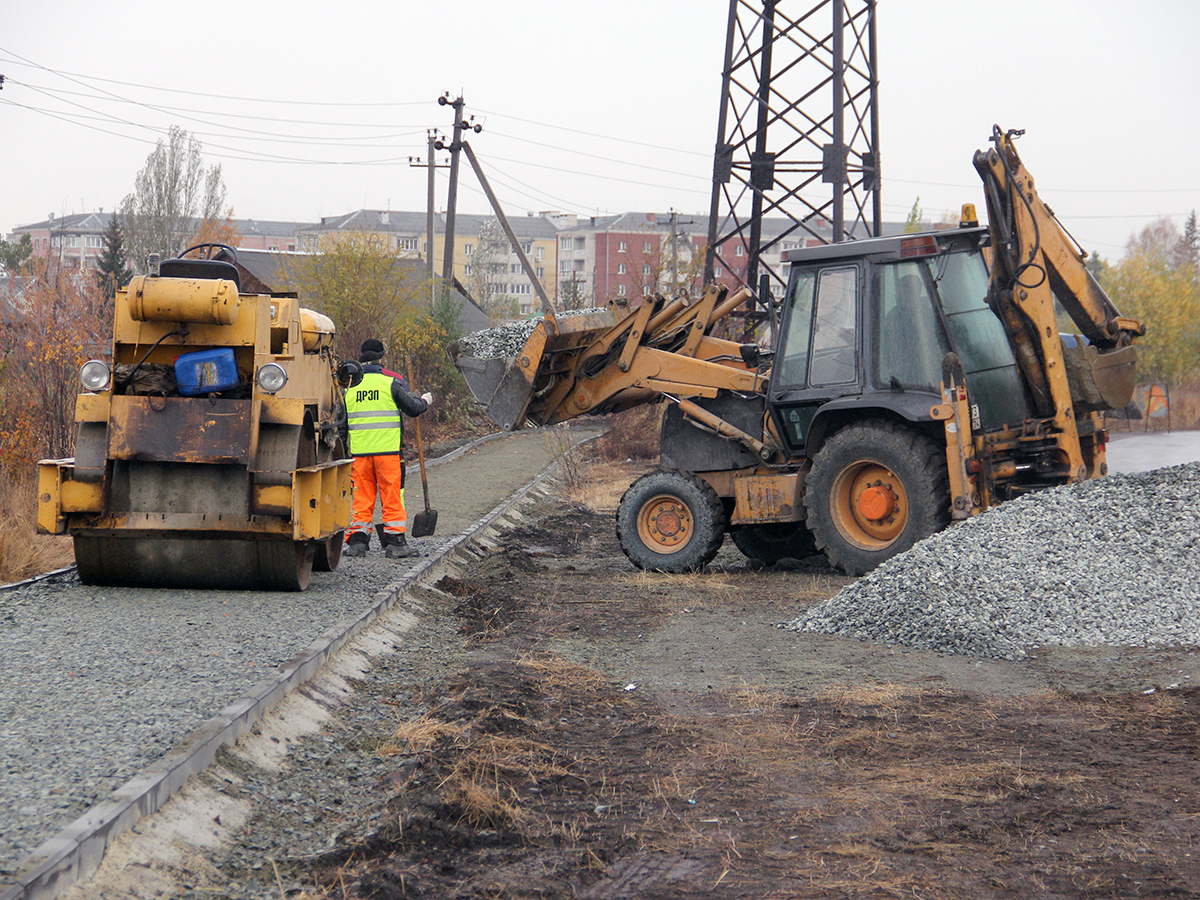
<point>271,378</point>
<point>95,375</point>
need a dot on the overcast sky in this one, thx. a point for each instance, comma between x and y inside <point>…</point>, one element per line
<point>314,108</point>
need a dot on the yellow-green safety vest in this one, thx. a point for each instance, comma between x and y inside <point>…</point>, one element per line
<point>376,425</point>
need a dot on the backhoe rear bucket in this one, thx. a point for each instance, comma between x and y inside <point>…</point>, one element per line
<point>1100,381</point>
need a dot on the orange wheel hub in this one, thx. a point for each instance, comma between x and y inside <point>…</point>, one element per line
<point>665,523</point>
<point>869,504</point>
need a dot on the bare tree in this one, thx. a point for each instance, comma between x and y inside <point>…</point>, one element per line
<point>488,281</point>
<point>173,198</point>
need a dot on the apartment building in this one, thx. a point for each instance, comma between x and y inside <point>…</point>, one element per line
<point>77,240</point>
<point>485,264</point>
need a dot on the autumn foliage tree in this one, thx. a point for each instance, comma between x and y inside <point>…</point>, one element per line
<point>369,292</point>
<point>1156,283</point>
<point>64,318</point>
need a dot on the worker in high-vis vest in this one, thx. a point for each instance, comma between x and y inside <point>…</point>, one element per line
<point>375,408</point>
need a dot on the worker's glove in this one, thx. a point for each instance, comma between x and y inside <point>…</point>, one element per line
<point>428,398</point>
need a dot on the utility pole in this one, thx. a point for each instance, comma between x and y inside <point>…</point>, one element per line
<point>459,144</point>
<point>454,147</point>
<point>675,223</point>
<point>430,164</point>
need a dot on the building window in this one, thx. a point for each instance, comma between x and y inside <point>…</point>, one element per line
<point>468,249</point>
<point>273,247</point>
<point>527,247</point>
<point>621,247</point>
<point>467,269</point>
<point>646,247</point>
<point>409,243</point>
<point>620,268</point>
<point>646,269</point>
<point>522,289</point>
<point>541,272</point>
<point>291,247</point>
<point>620,290</point>
<point>717,272</point>
<point>541,253</point>
<point>564,243</point>
<point>739,250</point>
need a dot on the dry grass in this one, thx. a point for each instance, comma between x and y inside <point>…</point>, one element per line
<point>555,674</point>
<point>633,434</point>
<point>23,552</point>
<point>603,483</point>
<point>420,735</point>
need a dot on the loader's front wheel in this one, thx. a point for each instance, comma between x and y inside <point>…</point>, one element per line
<point>670,522</point>
<point>775,541</point>
<point>875,489</point>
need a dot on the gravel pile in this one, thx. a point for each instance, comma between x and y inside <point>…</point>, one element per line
<point>502,341</point>
<point>507,339</point>
<point>1115,561</point>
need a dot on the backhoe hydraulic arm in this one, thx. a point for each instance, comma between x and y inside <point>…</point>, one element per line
<point>1036,262</point>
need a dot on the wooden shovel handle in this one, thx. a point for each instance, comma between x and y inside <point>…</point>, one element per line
<point>420,443</point>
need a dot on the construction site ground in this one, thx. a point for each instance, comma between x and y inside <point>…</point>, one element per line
<point>564,726</point>
<point>602,732</point>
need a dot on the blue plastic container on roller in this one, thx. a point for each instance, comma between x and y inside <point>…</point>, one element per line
<point>206,372</point>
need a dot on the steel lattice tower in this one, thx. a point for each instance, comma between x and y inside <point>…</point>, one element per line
<point>797,136</point>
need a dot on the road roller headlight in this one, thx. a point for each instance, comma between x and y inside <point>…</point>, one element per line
<point>95,375</point>
<point>271,378</point>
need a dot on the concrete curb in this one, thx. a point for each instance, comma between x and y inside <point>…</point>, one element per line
<point>75,852</point>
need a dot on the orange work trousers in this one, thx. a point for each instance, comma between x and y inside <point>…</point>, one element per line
<point>382,476</point>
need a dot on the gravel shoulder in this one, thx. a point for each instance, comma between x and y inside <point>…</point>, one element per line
<point>552,723</point>
<point>99,683</point>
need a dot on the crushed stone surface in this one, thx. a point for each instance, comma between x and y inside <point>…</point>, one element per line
<point>1114,561</point>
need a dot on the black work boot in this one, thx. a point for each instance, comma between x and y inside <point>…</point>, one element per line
<point>397,548</point>
<point>357,545</point>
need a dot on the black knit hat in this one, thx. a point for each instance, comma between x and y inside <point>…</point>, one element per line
<point>371,351</point>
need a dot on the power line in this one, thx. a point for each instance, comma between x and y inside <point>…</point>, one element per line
<point>173,109</point>
<point>20,60</point>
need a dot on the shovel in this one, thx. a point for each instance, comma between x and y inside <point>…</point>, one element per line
<point>423,523</point>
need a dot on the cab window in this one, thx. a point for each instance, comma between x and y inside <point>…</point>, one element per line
<point>909,343</point>
<point>834,326</point>
<point>791,369</point>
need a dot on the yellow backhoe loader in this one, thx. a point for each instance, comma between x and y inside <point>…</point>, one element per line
<point>913,380</point>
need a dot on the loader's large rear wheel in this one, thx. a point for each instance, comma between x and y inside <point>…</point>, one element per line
<point>222,563</point>
<point>874,490</point>
<point>775,541</point>
<point>670,522</point>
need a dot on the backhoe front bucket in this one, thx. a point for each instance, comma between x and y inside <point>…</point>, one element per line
<point>508,367</point>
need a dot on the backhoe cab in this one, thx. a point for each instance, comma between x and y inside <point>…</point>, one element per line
<point>914,380</point>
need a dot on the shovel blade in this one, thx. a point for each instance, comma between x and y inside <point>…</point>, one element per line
<point>423,523</point>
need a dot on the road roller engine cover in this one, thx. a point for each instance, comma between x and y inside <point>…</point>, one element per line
<point>210,450</point>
